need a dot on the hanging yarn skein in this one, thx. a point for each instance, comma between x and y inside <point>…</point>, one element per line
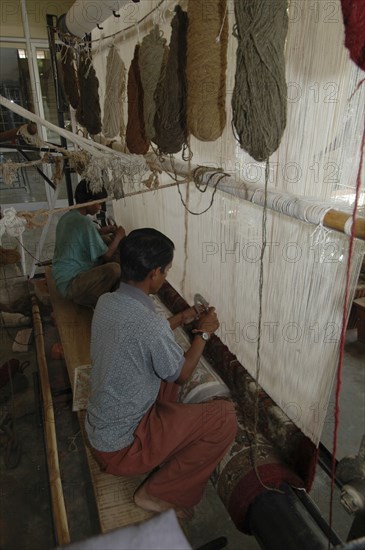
<point>170,96</point>
<point>259,95</point>
<point>354,20</point>
<point>88,112</point>
<point>70,82</point>
<point>113,119</point>
<point>136,139</point>
<point>206,68</point>
<point>151,55</point>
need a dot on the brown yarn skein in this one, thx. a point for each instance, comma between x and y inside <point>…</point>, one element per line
<point>88,113</point>
<point>70,82</point>
<point>136,139</point>
<point>170,96</point>
<point>206,68</point>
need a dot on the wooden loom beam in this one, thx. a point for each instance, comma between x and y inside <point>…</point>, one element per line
<point>333,219</point>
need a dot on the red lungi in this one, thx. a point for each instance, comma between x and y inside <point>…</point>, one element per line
<point>188,441</point>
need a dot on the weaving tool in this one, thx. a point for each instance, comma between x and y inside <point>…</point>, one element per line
<point>199,300</point>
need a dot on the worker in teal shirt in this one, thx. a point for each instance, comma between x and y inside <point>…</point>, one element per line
<point>83,266</point>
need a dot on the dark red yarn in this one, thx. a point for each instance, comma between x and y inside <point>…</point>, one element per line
<point>353,12</point>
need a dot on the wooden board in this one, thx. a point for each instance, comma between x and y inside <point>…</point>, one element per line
<point>74,325</point>
<point>114,495</point>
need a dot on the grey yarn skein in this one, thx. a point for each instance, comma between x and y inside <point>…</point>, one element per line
<point>259,100</point>
<point>151,55</point>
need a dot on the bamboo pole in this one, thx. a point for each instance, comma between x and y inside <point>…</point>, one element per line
<point>58,503</point>
<point>333,219</point>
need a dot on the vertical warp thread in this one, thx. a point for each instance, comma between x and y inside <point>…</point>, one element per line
<point>136,139</point>
<point>151,55</point>
<point>259,95</point>
<point>206,66</point>
<point>113,120</point>
<point>88,113</point>
<point>170,95</point>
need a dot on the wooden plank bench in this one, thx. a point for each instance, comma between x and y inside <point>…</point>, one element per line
<point>114,495</point>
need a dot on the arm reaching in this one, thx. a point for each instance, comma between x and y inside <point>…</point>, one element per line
<point>118,236</point>
<point>208,323</point>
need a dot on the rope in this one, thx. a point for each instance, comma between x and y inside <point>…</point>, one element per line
<point>198,185</point>
<point>259,95</point>
<point>206,68</point>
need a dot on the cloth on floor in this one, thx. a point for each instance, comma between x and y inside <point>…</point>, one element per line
<point>162,532</point>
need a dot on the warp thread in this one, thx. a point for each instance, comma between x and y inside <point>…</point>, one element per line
<point>136,139</point>
<point>88,112</point>
<point>113,120</point>
<point>70,81</point>
<point>170,119</point>
<point>354,21</point>
<point>151,55</point>
<point>206,68</point>
<point>259,95</point>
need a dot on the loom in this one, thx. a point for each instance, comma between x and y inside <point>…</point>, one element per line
<point>218,255</point>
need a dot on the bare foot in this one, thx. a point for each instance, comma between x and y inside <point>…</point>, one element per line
<point>153,504</point>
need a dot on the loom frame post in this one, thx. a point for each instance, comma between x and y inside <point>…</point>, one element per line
<point>59,95</point>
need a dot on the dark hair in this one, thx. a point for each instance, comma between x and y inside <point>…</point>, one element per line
<point>84,194</point>
<point>143,250</point>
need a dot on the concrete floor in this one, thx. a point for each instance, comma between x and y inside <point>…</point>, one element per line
<point>26,521</point>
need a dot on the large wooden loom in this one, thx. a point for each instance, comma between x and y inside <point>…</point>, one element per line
<point>297,376</point>
<point>229,371</point>
<point>302,296</point>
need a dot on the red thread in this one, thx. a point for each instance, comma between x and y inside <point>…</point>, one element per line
<point>343,328</point>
